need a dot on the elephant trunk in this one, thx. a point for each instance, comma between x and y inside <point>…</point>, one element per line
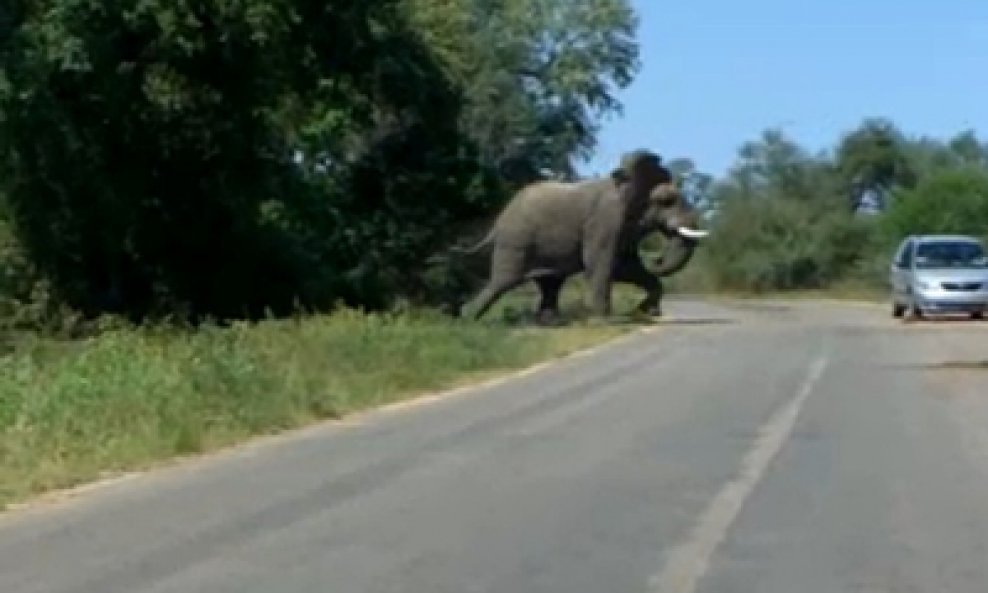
<point>677,253</point>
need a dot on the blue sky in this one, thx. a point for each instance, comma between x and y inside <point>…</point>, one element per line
<point>716,73</point>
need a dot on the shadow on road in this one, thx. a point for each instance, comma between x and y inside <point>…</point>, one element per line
<point>944,320</point>
<point>944,366</point>
<point>979,365</point>
<point>759,307</point>
<point>698,321</point>
<point>529,321</point>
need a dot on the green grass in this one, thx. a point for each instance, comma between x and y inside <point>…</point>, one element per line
<point>71,412</point>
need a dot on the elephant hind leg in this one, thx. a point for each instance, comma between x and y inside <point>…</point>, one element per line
<point>493,291</point>
<point>507,273</point>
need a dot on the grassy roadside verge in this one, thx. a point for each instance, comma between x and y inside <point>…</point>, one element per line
<point>72,412</point>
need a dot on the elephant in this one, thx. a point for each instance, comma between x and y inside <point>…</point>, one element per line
<point>551,230</point>
<point>668,214</point>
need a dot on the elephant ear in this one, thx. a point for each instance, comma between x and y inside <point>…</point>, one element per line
<point>631,159</point>
<point>644,167</point>
<point>640,171</point>
<point>620,176</point>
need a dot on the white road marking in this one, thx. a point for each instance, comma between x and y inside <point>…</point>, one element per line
<point>690,561</point>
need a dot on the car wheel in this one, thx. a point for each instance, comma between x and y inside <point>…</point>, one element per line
<point>915,313</point>
<point>898,310</point>
<point>978,315</point>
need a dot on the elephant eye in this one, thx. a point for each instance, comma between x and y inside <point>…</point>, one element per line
<point>666,195</point>
<point>665,200</point>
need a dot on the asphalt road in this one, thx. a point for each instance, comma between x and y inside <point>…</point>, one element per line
<point>763,448</point>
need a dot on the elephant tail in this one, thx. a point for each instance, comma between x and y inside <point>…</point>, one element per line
<point>478,246</point>
<point>444,257</point>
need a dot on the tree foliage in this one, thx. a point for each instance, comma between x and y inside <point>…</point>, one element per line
<point>950,201</point>
<point>782,220</point>
<point>872,159</point>
<point>228,158</point>
<point>538,74</point>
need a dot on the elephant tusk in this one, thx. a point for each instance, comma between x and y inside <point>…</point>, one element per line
<point>691,233</point>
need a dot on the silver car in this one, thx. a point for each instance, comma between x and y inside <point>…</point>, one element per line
<point>940,274</point>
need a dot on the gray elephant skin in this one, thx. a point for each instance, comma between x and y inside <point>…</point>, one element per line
<point>552,230</point>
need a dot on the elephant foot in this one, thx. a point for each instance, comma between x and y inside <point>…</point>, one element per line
<point>641,316</point>
<point>453,310</point>
<point>596,321</point>
<point>650,309</point>
<point>608,320</point>
<point>548,318</point>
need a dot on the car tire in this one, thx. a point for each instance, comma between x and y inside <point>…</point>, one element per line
<point>978,315</point>
<point>898,310</point>
<point>915,313</point>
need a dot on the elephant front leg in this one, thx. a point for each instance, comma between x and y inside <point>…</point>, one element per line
<point>549,289</point>
<point>632,271</point>
<point>599,269</point>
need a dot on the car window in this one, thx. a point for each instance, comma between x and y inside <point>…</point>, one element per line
<point>951,254</point>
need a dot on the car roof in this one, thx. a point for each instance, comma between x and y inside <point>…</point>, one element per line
<point>945,237</point>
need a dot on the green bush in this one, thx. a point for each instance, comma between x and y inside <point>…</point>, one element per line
<point>948,201</point>
<point>231,159</point>
<point>785,218</point>
<point>148,153</point>
<point>763,244</point>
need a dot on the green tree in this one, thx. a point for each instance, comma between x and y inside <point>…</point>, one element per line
<point>775,166</point>
<point>969,149</point>
<point>696,185</point>
<point>539,75</point>
<point>223,158</point>
<point>780,217</point>
<point>228,158</point>
<point>779,221</point>
<point>779,244</point>
<point>872,159</point>
<point>949,201</point>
